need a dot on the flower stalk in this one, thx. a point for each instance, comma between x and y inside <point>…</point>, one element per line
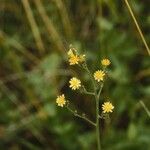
<point>81,116</point>
<point>97,124</point>
<point>97,82</point>
<point>97,98</point>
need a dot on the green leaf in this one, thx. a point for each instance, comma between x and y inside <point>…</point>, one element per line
<point>132,131</point>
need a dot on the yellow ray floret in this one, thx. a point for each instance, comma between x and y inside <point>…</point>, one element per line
<point>107,107</point>
<point>75,83</point>
<point>105,62</point>
<point>61,100</point>
<point>99,75</point>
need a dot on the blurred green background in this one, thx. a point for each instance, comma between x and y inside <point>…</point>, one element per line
<point>34,38</point>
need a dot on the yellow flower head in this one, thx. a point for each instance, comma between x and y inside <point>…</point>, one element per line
<point>75,83</point>
<point>61,100</point>
<point>74,59</point>
<point>99,75</point>
<point>105,62</point>
<point>82,58</point>
<point>107,107</point>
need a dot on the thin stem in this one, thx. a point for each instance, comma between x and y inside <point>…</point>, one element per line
<point>97,123</point>
<point>84,90</point>
<point>92,79</point>
<point>81,116</point>
<point>137,26</point>
<point>100,90</point>
<point>145,108</point>
<point>89,93</point>
<point>97,96</point>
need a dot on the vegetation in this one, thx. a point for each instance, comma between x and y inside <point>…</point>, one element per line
<point>35,36</point>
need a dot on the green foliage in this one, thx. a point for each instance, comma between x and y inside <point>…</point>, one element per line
<point>31,78</point>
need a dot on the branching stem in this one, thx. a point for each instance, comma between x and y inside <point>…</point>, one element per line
<point>84,90</point>
<point>81,116</point>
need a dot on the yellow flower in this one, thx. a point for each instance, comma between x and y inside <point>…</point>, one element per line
<point>61,100</point>
<point>107,107</point>
<point>75,83</point>
<point>105,62</point>
<point>82,58</point>
<point>99,75</point>
<point>74,59</point>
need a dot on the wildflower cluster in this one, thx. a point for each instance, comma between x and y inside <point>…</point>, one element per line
<point>97,80</point>
<point>75,83</point>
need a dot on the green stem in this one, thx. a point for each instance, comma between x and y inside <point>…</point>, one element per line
<point>91,76</point>
<point>89,93</point>
<point>97,123</point>
<point>100,90</point>
<point>81,116</point>
<point>97,96</point>
<point>84,90</point>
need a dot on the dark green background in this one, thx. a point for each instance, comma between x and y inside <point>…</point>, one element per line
<point>30,79</point>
